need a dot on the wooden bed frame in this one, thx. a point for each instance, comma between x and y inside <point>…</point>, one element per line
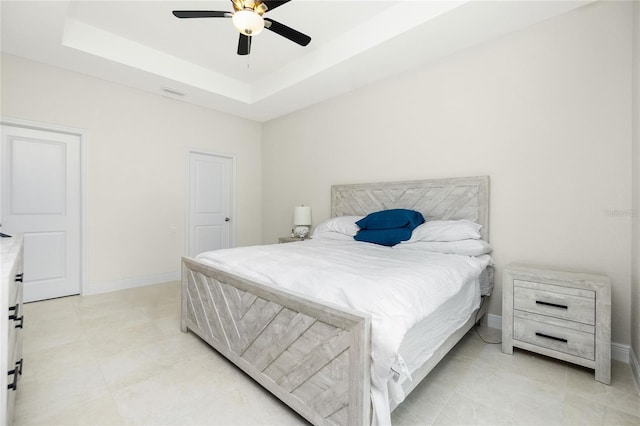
<point>312,355</point>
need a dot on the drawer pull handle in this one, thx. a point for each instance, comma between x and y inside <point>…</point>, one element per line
<point>19,278</point>
<point>554,305</point>
<point>14,385</point>
<point>16,372</point>
<point>14,316</point>
<point>21,324</point>
<point>559,339</point>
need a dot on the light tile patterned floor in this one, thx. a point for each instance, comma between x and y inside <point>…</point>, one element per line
<point>120,358</point>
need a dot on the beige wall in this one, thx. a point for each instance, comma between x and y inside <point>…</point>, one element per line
<point>544,112</point>
<point>635,253</point>
<point>137,151</point>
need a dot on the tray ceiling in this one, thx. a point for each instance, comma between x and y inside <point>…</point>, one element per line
<point>354,43</point>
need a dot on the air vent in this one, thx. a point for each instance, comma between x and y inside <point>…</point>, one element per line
<point>172,91</point>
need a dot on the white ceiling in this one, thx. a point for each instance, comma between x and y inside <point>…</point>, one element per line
<point>141,44</point>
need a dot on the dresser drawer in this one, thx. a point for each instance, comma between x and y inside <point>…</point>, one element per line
<point>555,301</point>
<point>11,345</point>
<point>15,281</point>
<point>15,364</point>
<point>14,327</point>
<point>555,337</point>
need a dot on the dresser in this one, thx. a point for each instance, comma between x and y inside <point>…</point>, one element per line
<point>11,321</point>
<point>564,315</point>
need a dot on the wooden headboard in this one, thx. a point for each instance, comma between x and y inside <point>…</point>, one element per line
<point>450,198</point>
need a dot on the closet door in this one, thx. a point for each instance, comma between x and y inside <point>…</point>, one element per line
<point>41,198</point>
<point>210,221</point>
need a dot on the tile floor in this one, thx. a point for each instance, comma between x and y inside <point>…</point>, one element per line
<point>120,358</point>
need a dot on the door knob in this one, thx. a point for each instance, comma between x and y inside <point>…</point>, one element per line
<point>226,219</point>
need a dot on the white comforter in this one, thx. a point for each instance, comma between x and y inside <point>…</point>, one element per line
<point>398,288</point>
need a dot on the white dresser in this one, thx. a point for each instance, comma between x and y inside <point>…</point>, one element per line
<point>11,321</point>
<point>564,315</point>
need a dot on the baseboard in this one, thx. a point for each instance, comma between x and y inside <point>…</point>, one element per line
<point>108,286</point>
<point>494,321</point>
<point>619,352</point>
<point>635,368</point>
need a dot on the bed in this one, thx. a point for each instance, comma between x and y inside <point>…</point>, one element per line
<point>313,354</point>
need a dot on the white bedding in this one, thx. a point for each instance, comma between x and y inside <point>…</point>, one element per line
<point>426,336</point>
<point>397,288</point>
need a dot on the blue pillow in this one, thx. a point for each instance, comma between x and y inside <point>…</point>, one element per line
<point>384,237</point>
<point>389,219</point>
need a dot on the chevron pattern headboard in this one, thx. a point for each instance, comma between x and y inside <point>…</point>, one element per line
<point>451,198</point>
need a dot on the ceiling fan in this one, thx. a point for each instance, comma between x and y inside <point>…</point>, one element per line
<point>247,18</point>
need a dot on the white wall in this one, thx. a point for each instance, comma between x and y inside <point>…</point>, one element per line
<point>544,112</point>
<point>137,152</point>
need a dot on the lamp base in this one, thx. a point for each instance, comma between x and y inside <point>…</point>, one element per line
<point>301,231</point>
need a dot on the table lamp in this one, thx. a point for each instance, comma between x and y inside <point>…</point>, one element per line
<point>301,221</point>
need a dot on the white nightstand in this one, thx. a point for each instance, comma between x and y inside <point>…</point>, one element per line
<point>564,315</point>
<point>291,239</point>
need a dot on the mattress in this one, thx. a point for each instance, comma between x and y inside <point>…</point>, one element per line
<point>426,336</point>
<point>397,288</point>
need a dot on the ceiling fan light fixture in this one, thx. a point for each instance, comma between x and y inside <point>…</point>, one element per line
<point>248,22</point>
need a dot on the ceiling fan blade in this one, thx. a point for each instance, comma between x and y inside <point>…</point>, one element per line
<point>272,4</point>
<point>201,14</point>
<point>244,45</point>
<point>287,32</point>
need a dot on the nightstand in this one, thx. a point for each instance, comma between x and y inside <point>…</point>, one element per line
<point>564,315</point>
<point>291,239</point>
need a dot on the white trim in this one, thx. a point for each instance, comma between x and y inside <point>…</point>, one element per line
<point>619,352</point>
<point>36,125</point>
<point>234,216</point>
<point>84,205</point>
<point>127,283</point>
<point>494,321</point>
<point>84,186</point>
<point>635,368</point>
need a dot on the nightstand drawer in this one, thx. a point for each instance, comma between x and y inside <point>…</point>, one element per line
<point>561,314</point>
<point>555,337</point>
<point>559,302</point>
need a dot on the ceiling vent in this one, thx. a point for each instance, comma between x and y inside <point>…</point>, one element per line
<point>172,91</point>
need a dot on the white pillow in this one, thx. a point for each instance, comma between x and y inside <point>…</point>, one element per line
<point>342,224</point>
<point>445,230</point>
<point>330,235</point>
<point>463,247</point>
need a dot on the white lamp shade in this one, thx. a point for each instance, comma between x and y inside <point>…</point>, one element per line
<point>302,216</point>
<point>248,22</point>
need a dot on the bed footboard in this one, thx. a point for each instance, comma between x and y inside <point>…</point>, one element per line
<point>312,356</point>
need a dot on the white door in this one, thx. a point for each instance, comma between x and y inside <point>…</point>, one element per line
<point>210,203</point>
<point>41,198</point>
